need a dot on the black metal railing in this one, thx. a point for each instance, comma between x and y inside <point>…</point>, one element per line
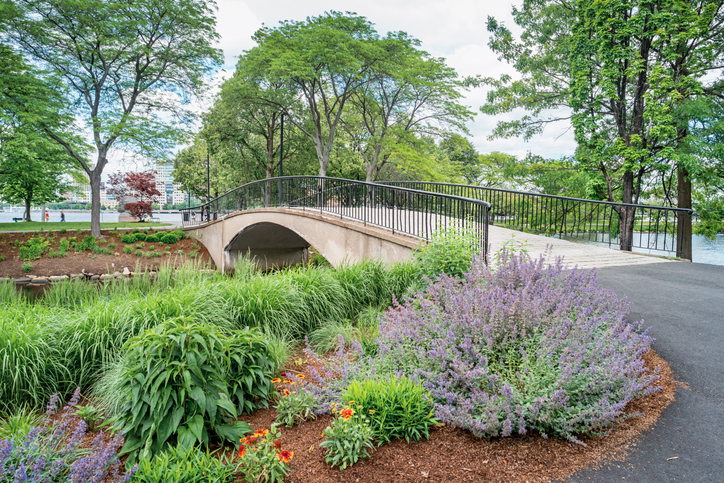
<point>400,209</point>
<point>650,228</point>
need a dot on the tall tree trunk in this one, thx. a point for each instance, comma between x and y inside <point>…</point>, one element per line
<point>684,219</point>
<point>26,215</point>
<point>95,184</point>
<point>627,213</point>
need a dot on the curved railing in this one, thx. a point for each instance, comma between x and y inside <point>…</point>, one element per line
<point>400,209</point>
<point>652,228</point>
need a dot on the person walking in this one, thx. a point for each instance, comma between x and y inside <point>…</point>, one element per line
<point>62,216</point>
<point>47,217</point>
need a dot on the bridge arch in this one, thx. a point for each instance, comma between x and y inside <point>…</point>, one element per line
<point>282,236</point>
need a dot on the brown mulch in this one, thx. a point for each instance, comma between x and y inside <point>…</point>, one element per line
<point>74,263</point>
<point>453,454</point>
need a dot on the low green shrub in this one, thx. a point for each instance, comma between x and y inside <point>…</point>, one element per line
<point>89,243</point>
<point>169,238</point>
<point>112,245</point>
<point>186,383</point>
<point>184,465</point>
<point>136,230</point>
<point>27,267</point>
<point>450,251</point>
<point>179,234</point>
<point>152,239</point>
<point>152,247</point>
<point>62,231</point>
<point>128,249</point>
<point>139,236</point>
<point>33,249</point>
<point>140,245</point>
<point>128,239</point>
<point>348,439</point>
<point>397,408</point>
<point>295,407</point>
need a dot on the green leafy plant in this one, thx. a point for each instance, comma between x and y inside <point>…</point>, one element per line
<point>295,407</point>
<point>2,258</point>
<point>263,458</point>
<point>128,239</point>
<point>16,425</point>
<point>128,249</point>
<point>348,439</point>
<point>187,382</point>
<point>170,238</point>
<point>62,231</point>
<point>450,251</point>
<point>184,465</point>
<point>397,408</point>
<point>151,247</point>
<point>152,239</point>
<point>167,248</point>
<point>33,249</point>
<point>112,245</point>
<point>90,414</point>
<point>27,267</point>
<point>139,236</point>
<point>89,243</point>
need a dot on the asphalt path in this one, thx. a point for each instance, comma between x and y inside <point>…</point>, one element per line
<point>684,304</point>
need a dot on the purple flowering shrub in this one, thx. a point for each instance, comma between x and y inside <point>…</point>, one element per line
<point>520,347</point>
<point>51,453</point>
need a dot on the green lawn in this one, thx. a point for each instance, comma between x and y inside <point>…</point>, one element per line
<point>79,225</point>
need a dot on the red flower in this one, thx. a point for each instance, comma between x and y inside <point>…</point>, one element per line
<point>285,456</point>
<point>283,374</point>
<point>300,376</point>
<point>250,440</point>
<point>278,445</point>
<point>276,380</point>
<point>261,432</point>
<point>242,451</point>
<point>346,413</point>
<point>286,392</point>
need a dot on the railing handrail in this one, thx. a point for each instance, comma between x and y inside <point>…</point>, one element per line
<point>530,193</point>
<point>352,181</point>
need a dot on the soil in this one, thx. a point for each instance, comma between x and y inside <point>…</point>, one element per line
<point>452,454</point>
<point>74,263</point>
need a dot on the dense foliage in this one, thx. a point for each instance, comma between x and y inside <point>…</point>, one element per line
<point>184,465</point>
<point>185,383</point>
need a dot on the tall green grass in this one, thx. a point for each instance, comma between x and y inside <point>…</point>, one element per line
<point>73,334</point>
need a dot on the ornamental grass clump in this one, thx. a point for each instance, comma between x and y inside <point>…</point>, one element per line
<point>523,347</point>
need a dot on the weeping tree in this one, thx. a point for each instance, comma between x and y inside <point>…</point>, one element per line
<point>130,69</point>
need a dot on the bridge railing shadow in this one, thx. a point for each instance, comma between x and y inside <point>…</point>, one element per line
<point>401,209</point>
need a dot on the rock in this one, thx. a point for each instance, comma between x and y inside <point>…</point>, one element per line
<point>95,277</point>
<point>76,275</point>
<point>20,281</point>
<point>106,276</point>
<point>59,278</point>
<point>39,281</point>
<point>126,271</point>
<point>117,274</point>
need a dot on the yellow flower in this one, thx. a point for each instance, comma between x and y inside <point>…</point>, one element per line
<point>351,402</point>
<point>334,410</point>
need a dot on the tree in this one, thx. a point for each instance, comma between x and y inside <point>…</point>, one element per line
<point>619,70</point>
<point>324,59</point>
<point>32,166</point>
<point>408,94</point>
<point>461,151</point>
<point>141,186</point>
<point>130,67</point>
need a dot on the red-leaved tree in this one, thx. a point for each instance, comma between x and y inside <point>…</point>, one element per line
<point>141,186</point>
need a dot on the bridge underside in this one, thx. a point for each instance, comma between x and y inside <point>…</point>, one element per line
<point>269,245</point>
<point>277,237</point>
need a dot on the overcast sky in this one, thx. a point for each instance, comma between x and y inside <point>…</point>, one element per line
<point>452,29</point>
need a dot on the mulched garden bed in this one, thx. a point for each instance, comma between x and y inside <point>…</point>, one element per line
<point>453,454</point>
<point>74,263</point>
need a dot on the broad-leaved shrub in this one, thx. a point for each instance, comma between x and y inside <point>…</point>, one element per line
<point>186,383</point>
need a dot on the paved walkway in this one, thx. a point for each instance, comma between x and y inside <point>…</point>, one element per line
<point>580,254</point>
<point>684,303</point>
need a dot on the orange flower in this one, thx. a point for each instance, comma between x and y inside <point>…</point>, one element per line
<point>249,440</point>
<point>286,392</point>
<point>276,380</point>
<point>300,376</point>
<point>372,411</point>
<point>261,432</point>
<point>285,456</point>
<point>287,381</point>
<point>351,402</point>
<point>278,445</point>
<point>324,435</point>
<point>242,451</point>
<point>346,413</point>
